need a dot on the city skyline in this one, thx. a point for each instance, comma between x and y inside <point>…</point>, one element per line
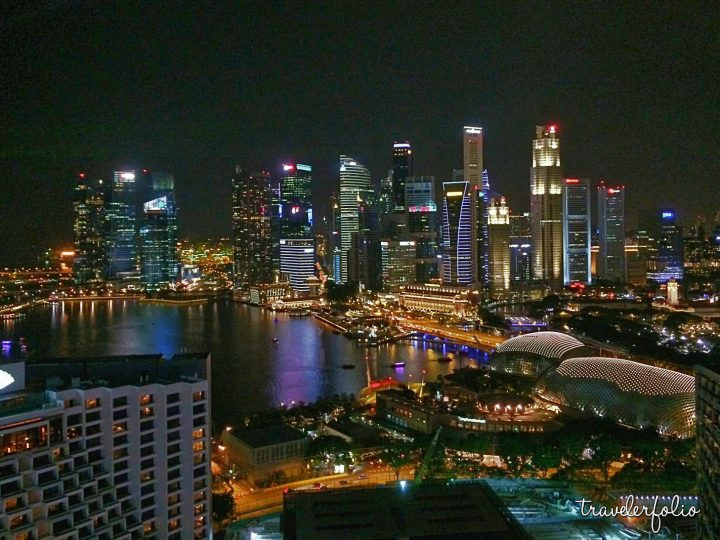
<point>216,110</point>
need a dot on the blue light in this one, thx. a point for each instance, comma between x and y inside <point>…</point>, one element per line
<point>403,484</point>
<point>667,215</point>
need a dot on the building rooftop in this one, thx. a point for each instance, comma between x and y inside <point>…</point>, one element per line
<point>268,435</point>
<point>406,510</point>
<point>547,344</point>
<point>115,371</point>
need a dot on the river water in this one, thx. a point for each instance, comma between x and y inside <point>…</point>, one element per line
<point>249,371</point>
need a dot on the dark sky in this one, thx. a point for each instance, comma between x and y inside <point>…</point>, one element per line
<point>195,87</point>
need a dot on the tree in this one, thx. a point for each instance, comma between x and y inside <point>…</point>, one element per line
<point>547,457</point>
<point>605,450</point>
<point>223,506</point>
<point>515,449</point>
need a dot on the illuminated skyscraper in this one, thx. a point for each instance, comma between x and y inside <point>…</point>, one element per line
<point>707,420</point>
<point>398,263</point>
<point>457,234</point>
<point>473,175</point>
<point>355,188</point>
<point>422,225</point>
<point>297,261</point>
<point>611,225</point>
<point>499,250</point>
<point>89,233</point>
<point>402,168</point>
<point>669,261</point>
<point>520,249</point>
<point>252,238</point>
<point>159,259</point>
<point>576,231</point>
<point>296,210</point>
<point>121,214</point>
<point>546,207</point>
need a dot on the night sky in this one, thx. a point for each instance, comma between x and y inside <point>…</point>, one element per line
<point>98,86</point>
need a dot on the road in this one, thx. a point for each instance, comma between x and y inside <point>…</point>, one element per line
<point>471,338</point>
<point>266,501</point>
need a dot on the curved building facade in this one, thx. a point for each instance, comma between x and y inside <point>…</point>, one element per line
<point>634,394</point>
<point>530,355</point>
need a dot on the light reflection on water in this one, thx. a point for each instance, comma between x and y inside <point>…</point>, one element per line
<point>250,372</point>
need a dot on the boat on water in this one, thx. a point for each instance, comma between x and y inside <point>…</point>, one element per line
<point>299,313</point>
<point>397,364</point>
<point>348,366</point>
<point>275,340</point>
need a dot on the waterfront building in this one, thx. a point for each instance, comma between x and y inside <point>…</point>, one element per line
<point>89,231</point>
<point>499,242</point>
<point>398,263</point>
<point>707,414</point>
<point>265,294</point>
<point>264,454</point>
<point>295,193</point>
<point>520,249</point>
<point>355,189</point>
<point>434,298</point>
<point>668,263</point>
<point>422,225</point>
<point>546,207</point>
<point>158,233</point>
<point>297,261</point>
<point>576,231</point>
<point>121,216</point>
<point>611,225</point>
<point>402,168</point>
<point>252,234</point>
<point>458,245</point>
<point>115,447</point>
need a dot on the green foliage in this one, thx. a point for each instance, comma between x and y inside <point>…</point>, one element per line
<point>223,506</point>
<point>340,292</point>
<point>328,445</point>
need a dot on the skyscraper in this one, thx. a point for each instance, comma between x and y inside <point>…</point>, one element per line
<point>89,233</point>
<point>354,189</point>
<point>402,168</point>
<point>252,238</point>
<point>159,259</point>
<point>473,175</point>
<point>457,234</point>
<point>499,250</point>
<point>669,261</point>
<point>611,226</point>
<point>296,210</point>
<point>121,215</point>
<point>520,249</point>
<point>422,224</point>
<point>398,263</point>
<point>297,261</point>
<point>576,231</point>
<point>546,207</point>
<point>707,420</point>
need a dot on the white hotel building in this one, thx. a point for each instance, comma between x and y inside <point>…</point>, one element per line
<point>115,447</point>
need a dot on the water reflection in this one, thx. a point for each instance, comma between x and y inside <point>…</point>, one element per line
<point>250,372</point>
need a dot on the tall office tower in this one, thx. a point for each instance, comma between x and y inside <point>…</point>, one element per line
<point>334,250</point>
<point>422,225</point>
<point>457,234</point>
<point>520,249</point>
<point>121,232</point>
<point>297,261</point>
<point>398,263</point>
<point>364,264</point>
<point>158,236</point>
<point>669,261</point>
<point>546,207</point>
<point>296,210</point>
<point>276,219</point>
<point>499,246</point>
<point>473,175</point>
<point>89,231</point>
<point>106,448</point>
<point>707,420</point>
<point>576,231</point>
<point>402,168</point>
<point>611,226</point>
<point>252,235</point>
<point>355,189</point>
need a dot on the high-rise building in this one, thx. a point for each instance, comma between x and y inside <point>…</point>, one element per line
<point>252,234</point>
<point>499,242</point>
<point>159,258</point>
<point>355,188</point>
<point>106,448</point>
<point>402,168</point>
<point>670,256</point>
<point>364,265</point>
<point>89,231</point>
<point>707,420</point>
<point>398,263</point>
<point>546,207</point>
<point>473,175</point>
<point>297,261</point>
<point>520,249</point>
<point>576,231</point>
<point>611,227</point>
<point>296,210</point>
<point>422,225</point>
<point>457,234</point>
<point>121,232</point>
